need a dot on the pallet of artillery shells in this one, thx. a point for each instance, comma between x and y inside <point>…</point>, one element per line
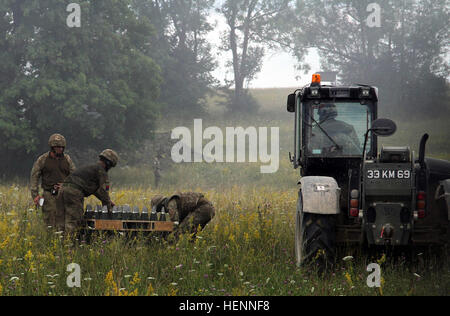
<point>124,220</point>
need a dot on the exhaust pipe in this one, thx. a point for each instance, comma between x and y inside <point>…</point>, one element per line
<point>423,142</point>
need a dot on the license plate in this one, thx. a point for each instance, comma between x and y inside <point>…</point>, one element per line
<point>388,174</point>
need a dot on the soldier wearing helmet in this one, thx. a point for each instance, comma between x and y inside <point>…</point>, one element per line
<point>157,169</point>
<point>51,169</point>
<point>190,209</point>
<point>88,180</point>
<point>340,132</point>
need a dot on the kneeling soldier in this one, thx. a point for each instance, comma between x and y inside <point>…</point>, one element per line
<point>92,179</point>
<point>189,209</point>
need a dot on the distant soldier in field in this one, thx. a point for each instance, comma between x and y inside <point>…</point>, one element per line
<point>157,169</point>
<point>88,180</point>
<point>189,209</point>
<point>51,168</point>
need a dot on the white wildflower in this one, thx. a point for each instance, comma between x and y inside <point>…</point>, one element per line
<point>348,258</point>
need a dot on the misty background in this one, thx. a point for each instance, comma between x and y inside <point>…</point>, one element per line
<point>135,69</point>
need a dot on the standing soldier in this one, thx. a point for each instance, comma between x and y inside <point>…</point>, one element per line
<point>157,169</point>
<point>52,168</point>
<point>189,209</point>
<point>92,179</point>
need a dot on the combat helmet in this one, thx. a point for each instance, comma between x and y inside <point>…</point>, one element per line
<point>158,201</point>
<point>327,111</point>
<point>57,140</point>
<point>110,155</point>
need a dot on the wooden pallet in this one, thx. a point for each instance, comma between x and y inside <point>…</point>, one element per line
<point>129,225</point>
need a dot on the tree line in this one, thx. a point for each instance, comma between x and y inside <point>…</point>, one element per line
<point>133,61</point>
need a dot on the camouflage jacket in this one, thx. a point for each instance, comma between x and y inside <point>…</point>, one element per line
<point>187,202</point>
<point>50,171</point>
<point>92,179</point>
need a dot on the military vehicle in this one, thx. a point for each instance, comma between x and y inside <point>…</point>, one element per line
<point>351,194</point>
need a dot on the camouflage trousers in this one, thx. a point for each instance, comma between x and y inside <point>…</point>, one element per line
<point>73,200</point>
<point>53,211</point>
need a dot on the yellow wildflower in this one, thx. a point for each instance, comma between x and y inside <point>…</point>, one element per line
<point>348,277</point>
<point>111,286</point>
<point>246,237</point>
<point>29,255</point>
<point>150,290</point>
<point>136,279</point>
<point>172,292</point>
<point>4,243</point>
<point>381,286</point>
<point>382,259</point>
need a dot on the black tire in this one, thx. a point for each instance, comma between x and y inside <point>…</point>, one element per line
<point>315,238</point>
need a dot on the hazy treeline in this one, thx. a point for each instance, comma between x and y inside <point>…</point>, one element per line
<point>404,51</point>
<point>131,62</point>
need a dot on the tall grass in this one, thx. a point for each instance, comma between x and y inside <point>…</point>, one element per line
<point>247,249</point>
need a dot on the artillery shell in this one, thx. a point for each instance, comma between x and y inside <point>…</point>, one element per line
<point>105,213</point>
<point>144,214</point>
<point>135,214</point>
<point>162,216</point>
<point>97,212</point>
<point>115,211</point>
<point>89,212</point>
<point>154,215</point>
<point>126,212</point>
<point>119,214</point>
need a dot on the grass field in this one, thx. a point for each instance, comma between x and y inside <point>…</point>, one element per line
<point>247,249</point>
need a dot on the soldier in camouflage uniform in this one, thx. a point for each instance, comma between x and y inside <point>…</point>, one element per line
<point>92,179</point>
<point>342,133</point>
<point>51,168</point>
<point>189,209</point>
<point>157,169</point>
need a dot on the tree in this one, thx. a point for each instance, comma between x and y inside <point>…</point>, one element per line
<point>95,84</point>
<point>404,56</point>
<point>183,52</point>
<point>253,27</point>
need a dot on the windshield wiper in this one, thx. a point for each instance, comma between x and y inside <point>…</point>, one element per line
<point>338,147</point>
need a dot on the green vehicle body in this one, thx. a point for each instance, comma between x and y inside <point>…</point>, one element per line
<point>387,197</point>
